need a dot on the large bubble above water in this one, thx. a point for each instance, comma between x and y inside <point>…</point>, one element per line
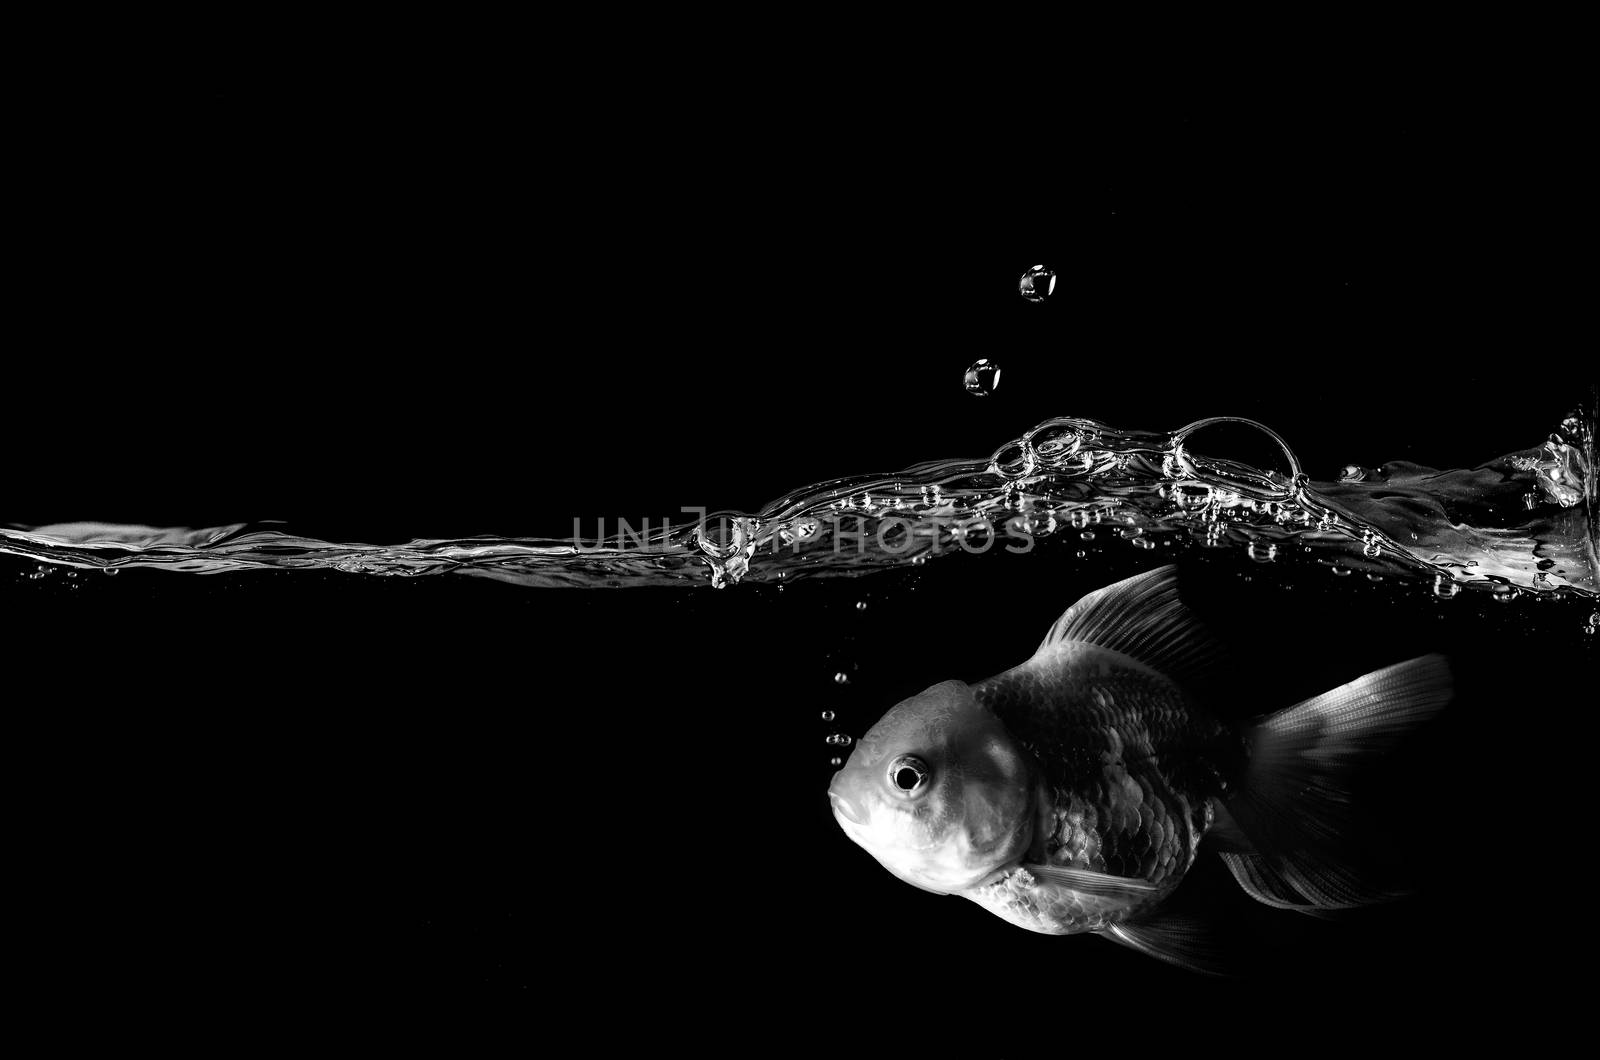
<point>1037,284</point>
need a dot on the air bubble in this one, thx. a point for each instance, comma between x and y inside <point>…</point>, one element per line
<point>1445,587</point>
<point>836,762</point>
<point>841,678</point>
<point>1037,284</point>
<point>1191,496</point>
<point>1374,577</point>
<point>729,561</point>
<point>827,715</point>
<point>839,739</point>
<point>1087,535</point>
<point>110,571</point>
<point>1012,461</point>
<point>983,377</point>
<point>1078,518</point>
<point>1040,524</point>
<point>1263,551</point>
<point>1142,542</point>
<point>861,605</point>
<point>1054,442</point>
<point>1341,572</point>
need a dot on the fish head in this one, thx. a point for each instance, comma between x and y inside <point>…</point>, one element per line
<point>938,791</point>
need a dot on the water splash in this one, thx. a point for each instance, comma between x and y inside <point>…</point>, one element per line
<point>1523,522</point>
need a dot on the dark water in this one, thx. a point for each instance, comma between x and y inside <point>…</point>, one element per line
<point>308,765</point>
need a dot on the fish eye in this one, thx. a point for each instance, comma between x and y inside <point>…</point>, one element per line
<point>907,774</point>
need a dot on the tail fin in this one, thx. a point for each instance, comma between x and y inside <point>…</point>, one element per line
<point>1295,808</point>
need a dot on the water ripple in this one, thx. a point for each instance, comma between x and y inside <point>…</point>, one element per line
<point>1518,520</point>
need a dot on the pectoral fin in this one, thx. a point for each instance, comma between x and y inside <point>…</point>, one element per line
<point>1098,884</point>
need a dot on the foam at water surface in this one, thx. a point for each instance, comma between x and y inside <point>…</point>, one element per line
<point>1522,522</point>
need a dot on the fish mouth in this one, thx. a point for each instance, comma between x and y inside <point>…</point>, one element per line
<point>845,808</point>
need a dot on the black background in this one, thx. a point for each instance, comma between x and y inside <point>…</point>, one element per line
<point>468,306</point>
<point>411,307</point>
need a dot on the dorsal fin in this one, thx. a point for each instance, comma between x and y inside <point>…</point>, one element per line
<point>1141,617</point>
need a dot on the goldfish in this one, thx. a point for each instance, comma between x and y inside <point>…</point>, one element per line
<point>1073,793</point>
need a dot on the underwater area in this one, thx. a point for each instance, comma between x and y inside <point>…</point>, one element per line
<point>488,634</point>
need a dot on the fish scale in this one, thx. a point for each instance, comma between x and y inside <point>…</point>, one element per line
<point>1130,761</point>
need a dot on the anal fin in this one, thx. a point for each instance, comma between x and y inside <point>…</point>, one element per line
<point>1188,941</point>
